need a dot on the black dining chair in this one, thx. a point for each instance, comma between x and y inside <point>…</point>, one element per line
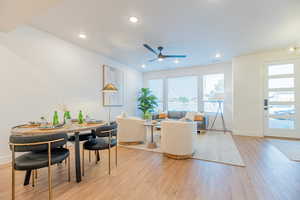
<point>93,135</point>
<point>38,152</point>
<point>106,138</point>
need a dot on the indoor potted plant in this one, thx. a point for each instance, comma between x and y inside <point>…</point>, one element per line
<point>147,102</point>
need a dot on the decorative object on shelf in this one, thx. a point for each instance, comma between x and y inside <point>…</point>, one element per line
<point>147,101</point>
<point>80,117</point>
<point>55,119</point>
<point>113,78</point>
<point>111,89</point>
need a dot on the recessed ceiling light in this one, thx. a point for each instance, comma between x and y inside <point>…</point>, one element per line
<point>160,59</point>
<point>143,66</point>
<point>176,61</point>
<point>292,49</point>
<point>82,36</point>
<point>133,19</point>
<point>218,55</point>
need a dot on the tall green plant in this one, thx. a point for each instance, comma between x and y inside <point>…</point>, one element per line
<point>147,101</point>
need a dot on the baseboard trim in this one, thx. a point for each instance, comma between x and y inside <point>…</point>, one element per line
<point>131,143</point>
<point>4,159</point>
<point>247,133</point>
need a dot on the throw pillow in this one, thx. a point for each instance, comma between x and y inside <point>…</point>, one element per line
<point>162,116</point>
<point>190,115</point>
<point>199,117</point>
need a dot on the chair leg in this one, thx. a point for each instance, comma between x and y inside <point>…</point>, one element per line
<point>49,182</point>
<point>98,155</point>
<point>69,169</point>
<point>36,174</point>
<point>49,171</point>
<point>116,155</point>
<point>82,162</point>
<point>66,147</point>
<point>33,178</point>
<point>109,161</point>
<point>13,186</point>
<point>96,159</point>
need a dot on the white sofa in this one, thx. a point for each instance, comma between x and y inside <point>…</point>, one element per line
<point>177,139</point>
<point>131,130</point>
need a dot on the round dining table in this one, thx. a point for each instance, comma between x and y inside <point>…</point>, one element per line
<point>71,129</point>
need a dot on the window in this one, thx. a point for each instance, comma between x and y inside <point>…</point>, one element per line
<point>156,86</point>
<point>182,94</point>
<point>213,89</point>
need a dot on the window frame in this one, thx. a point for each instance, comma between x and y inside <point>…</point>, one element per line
<point>200,89</point>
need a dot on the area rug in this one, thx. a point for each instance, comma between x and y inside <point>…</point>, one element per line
<point>211,146</point>
<point>290,148</point>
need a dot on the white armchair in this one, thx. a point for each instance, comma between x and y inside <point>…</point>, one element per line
<point>177,139</point>
<point>131,130</point>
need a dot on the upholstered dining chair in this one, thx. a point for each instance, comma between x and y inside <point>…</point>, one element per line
<point>104,141</point>
<point>38,152</point>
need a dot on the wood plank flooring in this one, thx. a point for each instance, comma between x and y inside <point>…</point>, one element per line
<point>268,175</point>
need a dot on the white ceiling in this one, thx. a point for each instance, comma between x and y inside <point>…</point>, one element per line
<point>16,12</point>
<point>198,28</point>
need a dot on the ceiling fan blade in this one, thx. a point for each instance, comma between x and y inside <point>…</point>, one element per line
<point>153,60</point>
<point>150,49</point>
<point>174,56</point>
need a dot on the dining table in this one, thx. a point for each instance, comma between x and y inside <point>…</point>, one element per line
<point>71,129</point>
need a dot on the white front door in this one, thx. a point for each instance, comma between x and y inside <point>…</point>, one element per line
<point>281,99</point>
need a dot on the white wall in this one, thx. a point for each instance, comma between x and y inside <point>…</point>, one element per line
<point>39,71</point>
<point>248,90</point>
<point>200,71</point>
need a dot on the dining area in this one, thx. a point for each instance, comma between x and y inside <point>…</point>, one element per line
<point>37,145</point>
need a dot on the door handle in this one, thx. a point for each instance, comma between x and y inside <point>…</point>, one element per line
<point>266,104</point>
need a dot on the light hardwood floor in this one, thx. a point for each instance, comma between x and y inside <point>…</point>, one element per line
<point>269,175</point>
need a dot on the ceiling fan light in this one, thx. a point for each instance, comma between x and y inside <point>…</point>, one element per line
<point>82,36</point>
<point>160,59</point>
<point>218,55</point>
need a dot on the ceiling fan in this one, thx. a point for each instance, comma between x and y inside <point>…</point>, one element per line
<point>159,55</point>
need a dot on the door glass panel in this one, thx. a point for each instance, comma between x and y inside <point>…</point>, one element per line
<point>281,83</point>
<point>281,69</point>
<point>282,110</point>
<point>282,96</point>
<point>281,123</point>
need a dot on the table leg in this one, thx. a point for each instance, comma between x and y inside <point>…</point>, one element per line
<point>77,158</point>
<point>152,144</point>
<point>27,177</point>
